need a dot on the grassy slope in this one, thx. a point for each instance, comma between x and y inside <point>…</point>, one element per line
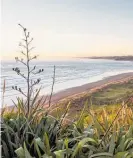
<point>111,95</point>
<point>91,124</point>
<point>109,98</point>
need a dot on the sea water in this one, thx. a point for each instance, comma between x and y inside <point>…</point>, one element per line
<point>68,73</point>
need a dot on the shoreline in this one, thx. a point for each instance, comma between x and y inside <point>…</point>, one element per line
<point>89,87</point>
<point>85,88</point>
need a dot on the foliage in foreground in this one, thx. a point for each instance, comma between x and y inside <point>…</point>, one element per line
<point>43,136</point>
<point>29,131</point>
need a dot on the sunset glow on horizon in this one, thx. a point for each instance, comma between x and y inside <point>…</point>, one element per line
<point>71,29</point>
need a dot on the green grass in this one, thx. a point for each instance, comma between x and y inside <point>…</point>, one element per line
<point>79,129</point>
<point>88,136</point>
<point>113,94</point>
<point>75,128</point>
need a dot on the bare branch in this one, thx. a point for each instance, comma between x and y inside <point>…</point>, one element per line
<point>35,82</point>
<point>23,53</point>
<point>39,71</point>
<point>22,75</point>
<point>19,90</point>
<point>31,71</point>
<point>26,41</point>
<point>21,61</point>
<point>30,41</point>
<point>22,27</point>
<point>28,35</point>
<point>21,45</point>
<point>31,49</point>
<point>17,70</point>
<point>52,88</point>
<point>33,57</point>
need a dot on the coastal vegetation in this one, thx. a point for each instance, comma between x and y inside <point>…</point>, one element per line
<point>88,125</point>
<point>119,58</point>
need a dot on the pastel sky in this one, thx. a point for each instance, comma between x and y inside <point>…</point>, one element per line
<point>69,28</point>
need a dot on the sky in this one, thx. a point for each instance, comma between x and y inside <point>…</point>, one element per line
<point>68,28</point>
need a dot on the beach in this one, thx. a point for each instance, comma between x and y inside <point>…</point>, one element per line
<point>77,91</point>
<point>68,74</point>
<point>90,87</point>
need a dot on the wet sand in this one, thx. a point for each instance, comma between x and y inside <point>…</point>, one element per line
<point>86,88</point>
<point>90,87</point>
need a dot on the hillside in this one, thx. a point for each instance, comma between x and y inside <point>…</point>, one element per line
<point>120,58</point>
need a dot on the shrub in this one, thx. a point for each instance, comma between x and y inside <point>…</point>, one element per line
<point>30,131</point>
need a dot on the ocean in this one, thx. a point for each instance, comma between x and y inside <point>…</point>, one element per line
<point>69,73</point>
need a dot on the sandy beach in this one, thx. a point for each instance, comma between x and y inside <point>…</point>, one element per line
<point>90,87</point>
<point>86,88</point>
